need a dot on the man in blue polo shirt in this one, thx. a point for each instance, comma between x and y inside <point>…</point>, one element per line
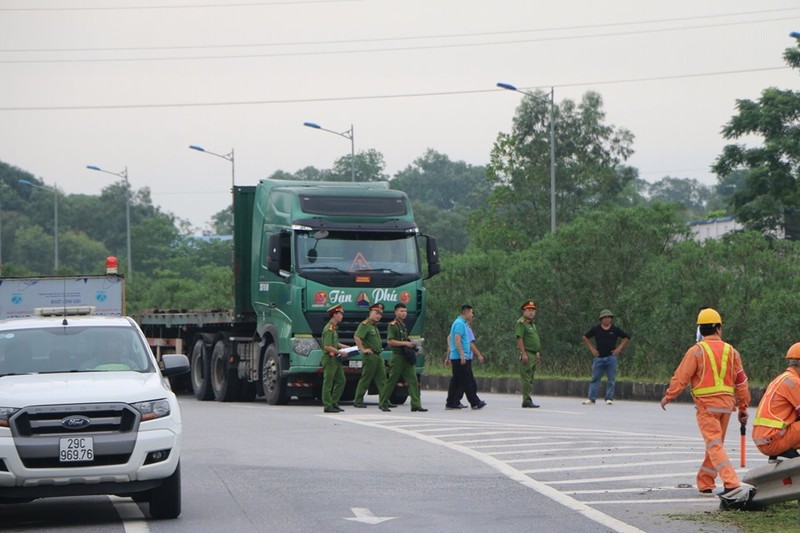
<point>461,359</point>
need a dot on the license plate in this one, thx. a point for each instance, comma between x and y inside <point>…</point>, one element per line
<point>73,449</point>
<point>355,364</point>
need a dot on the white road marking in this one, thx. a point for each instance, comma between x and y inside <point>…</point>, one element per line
<point>365,516</point>
<point>514,474</point>
<point>573,450</point>
<point>133,520</point>
<point>563,468</point>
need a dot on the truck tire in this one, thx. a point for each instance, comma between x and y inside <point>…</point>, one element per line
<point>201,369</point>
<point>248,391</point>
<point>224,380</point>
<point>275,389</point>
<point>165,500</point>
<point>399,395</point>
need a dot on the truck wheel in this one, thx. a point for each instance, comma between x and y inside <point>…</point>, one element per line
<point>165,500</point>
<point>224,380</point>
<point>275,390</point>
<point>201,384</point>
<point>399,396</point>
<point>248,391</point>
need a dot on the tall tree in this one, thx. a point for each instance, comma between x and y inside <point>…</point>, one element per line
<point>771,189</point>
<point>588,155</point>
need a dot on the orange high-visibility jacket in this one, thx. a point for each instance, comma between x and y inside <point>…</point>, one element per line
<point>779,405</point>
<point>714,370</point>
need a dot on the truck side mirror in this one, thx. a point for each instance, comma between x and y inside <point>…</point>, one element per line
<point>274,253</point>
<point>432,253</point>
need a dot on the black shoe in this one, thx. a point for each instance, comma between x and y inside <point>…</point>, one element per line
<point>384,408</point>
<point>453,407</point>
<point>419,409</point>
<point>530,405</point>
<point>462,406</point>
<point>338,408</point>
<point>392,405</point>
<point>360,405</point>
<point>332,410</point>
<point>479,405</point>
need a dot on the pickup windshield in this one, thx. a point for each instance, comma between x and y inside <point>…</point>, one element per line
<point>346,252</point>
<point>73,349</point>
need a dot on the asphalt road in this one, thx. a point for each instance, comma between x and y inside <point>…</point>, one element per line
<point>251,467</point>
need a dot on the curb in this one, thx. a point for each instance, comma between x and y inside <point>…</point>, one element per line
<point>624,390</point>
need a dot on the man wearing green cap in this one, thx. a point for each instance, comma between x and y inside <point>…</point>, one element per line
<point>605,355</point>
<point>528,345</point>
<point>368,340</point>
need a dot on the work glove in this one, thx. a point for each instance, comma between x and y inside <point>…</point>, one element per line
<point>743,417</point>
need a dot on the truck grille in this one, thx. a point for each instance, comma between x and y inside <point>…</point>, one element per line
<point>37,431</point>
<point>348,326</point>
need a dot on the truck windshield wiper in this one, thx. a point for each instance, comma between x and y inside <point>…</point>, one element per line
<point>335,269</point>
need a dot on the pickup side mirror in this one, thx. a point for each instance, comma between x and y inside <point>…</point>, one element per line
<point>432,253</point>
<point>174,364</point>
<point>274,253</point>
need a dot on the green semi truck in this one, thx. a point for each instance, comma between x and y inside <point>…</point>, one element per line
<point>301,247</point>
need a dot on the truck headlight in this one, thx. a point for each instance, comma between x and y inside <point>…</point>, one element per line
<point>5,414</point>
<point>304,345</point>
<point>153,409</point>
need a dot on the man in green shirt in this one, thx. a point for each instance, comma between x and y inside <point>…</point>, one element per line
<point>368,340</point>
<point>528,345</point>
<point>333,379</point>
<point>396,338</point>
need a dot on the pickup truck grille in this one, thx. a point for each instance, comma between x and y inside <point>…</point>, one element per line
<point>37,431</point>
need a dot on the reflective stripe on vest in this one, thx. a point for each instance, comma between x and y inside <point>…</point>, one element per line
<point>719,374</point>
<point>762,420</point>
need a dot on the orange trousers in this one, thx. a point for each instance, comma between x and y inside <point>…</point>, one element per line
<point>713,424</point>
<point>780,440</point>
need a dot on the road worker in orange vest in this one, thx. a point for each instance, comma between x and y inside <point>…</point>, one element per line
<point>719,385</point>
<point>776,430</point>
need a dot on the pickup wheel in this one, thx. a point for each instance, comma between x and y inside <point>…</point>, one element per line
<point>224,380</point>
<point>275,389</point>
<point>201,370</point>
<point>165,500</point>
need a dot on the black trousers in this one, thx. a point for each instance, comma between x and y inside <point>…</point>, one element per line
<point>462,382</point>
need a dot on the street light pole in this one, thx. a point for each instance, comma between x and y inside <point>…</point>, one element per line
<point>347,134</point>
<point>53,190</point>
<point>124,176</point>
<point>510,87</point>
<point>228,157</point>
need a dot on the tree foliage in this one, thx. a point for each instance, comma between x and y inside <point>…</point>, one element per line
<point>771,189</point>
<point>589,154</point>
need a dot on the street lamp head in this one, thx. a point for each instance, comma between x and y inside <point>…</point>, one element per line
<point>506,86</point>
<point>25,182</point>
<point>795,34</point>
<point>312,125</point>
<point>198,148</point>
<point>93,167</point>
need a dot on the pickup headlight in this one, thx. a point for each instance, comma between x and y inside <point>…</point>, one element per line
<point>5,414</point>
<point>304,345</point>
<point>153,409</point>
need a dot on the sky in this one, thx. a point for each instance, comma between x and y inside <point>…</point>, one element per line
<point>130,84</point>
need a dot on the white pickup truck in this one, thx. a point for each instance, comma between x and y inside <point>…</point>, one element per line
<point>86,409</point>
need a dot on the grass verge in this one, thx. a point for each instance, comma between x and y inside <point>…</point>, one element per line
<point>779,518</point>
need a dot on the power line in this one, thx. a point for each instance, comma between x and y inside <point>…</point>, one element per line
<point>183,6</point>
<point>395,39</point>
<point>374,97</point>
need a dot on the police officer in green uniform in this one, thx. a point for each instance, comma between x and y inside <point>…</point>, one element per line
<point>529,345</point>
<point>332,372</point>
<point>396,338</point>
<point>368,340</point>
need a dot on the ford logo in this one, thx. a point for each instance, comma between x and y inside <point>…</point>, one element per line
<point>76,422</point>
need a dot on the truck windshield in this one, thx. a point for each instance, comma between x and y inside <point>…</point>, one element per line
<point>346,252</point>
